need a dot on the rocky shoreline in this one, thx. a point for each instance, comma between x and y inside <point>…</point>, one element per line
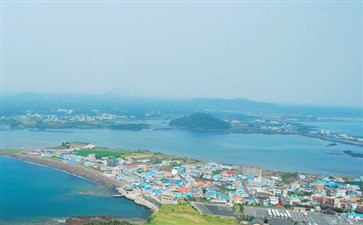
<point>137,196</point>
<point>79,220</point>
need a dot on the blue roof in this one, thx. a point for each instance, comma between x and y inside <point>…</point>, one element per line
<point>356,215</point>
<point>158,191</point>
<point>332,184</point>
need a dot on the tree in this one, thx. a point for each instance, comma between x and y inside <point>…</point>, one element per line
<point>265,220</point>
<point>204,191</point>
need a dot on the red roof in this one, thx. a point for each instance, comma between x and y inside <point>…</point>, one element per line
<point>228,172</point>
<point>183,189</point>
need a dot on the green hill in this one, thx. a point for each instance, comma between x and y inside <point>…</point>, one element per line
<point>200,121</point>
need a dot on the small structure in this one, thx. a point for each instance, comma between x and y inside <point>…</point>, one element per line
<point>257,221</point>
<point>299,209</point>
<point>355,216</point>
<point>167,197</point>
<point>112,162</point>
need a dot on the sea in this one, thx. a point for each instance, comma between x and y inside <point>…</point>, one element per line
<point>36,194</point>
<point>32,192</point>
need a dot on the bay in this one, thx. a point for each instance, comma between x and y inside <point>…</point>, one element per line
<point>276,152</point>
<point>35,194</point>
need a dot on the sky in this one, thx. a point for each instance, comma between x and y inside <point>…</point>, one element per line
<point>283,52</point>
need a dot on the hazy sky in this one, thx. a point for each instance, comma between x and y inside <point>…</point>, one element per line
<point>302,53</point>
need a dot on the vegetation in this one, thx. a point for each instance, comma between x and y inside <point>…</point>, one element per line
<point>41,124</point>
<point>7,151</point>
<point>239,208</point>
<point>289,176</point>
<point>201,121</point>
<point>217,171</point>
<point>352,182</point>
<point>113,222</point>
<point>247,218</point>
<point>102,152</point>
<point>301,193</point>
<point>183,213</point>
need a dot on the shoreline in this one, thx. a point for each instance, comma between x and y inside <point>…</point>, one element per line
<point>93,176</point>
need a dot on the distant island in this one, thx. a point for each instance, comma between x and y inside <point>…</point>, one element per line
<point>209,123</point>
<point>201,121</point>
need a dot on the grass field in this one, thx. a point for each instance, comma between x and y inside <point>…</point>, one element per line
<point>102,152</point>
<point>183,213</point>
<point>10,151</point>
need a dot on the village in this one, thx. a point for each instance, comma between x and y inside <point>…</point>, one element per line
<point>245,192</point>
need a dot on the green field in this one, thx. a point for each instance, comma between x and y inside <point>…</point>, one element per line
<point>183,213</point>
<point>103,152</point>
<point>10,151</point>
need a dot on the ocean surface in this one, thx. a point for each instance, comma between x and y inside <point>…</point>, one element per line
<point>351,127</point>
<point>34,194</point>
<point>277,152</point>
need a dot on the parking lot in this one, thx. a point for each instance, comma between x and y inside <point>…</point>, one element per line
<point>311,218</point>
<point>221,210</point>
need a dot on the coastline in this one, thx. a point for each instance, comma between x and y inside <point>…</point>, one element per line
<point>93,176</point>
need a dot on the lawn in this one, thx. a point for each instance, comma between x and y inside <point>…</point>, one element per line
<point>102,152</point>
<point>183,213</point>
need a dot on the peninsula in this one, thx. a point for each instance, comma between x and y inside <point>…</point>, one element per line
<point>166,184</point>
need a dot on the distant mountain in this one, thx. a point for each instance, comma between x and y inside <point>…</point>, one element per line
<point>231,104</point>
<point>116,104</point>
<point>200,121</point>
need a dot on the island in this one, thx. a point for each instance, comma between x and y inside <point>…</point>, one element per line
<point>202,122</point>
<point>208,123</point>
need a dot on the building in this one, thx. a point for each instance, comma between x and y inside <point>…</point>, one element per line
<point>112,162</point>
<point>254,171</point>
<point>91,157</point>
<point>167,197</point>
<point>299,209</point>
<point>355,216</point>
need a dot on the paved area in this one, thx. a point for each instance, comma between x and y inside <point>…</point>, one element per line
<point>311,218</point>
<point>214,209</point>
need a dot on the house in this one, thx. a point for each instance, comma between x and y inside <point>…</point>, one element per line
<point>112,162</point>
<point>254,171</point>
<point>257,221</point>
<point>167,197</point>
<point>274,200</point>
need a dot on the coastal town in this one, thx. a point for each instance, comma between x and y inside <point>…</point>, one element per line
<point>249,193</point>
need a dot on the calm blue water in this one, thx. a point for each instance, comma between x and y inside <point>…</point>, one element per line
<point>281,152</point>
<point>354,128</point>
<point>34,193</point>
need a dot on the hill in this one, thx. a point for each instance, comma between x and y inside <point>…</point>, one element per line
<point>200,121</point>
